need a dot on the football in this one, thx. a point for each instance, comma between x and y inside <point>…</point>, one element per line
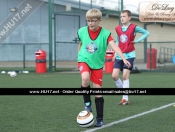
<point>13,74</point>
<point>85,119</point>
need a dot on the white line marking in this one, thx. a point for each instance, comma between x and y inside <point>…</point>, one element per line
<point>131,117</point>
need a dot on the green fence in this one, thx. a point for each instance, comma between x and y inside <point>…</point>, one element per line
<point>163,58</point>
<point>21,56</point>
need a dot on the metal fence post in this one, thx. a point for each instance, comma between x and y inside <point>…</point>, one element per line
<point>24,60</point>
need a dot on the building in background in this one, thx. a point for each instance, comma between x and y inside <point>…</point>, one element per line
<point>68,17</point>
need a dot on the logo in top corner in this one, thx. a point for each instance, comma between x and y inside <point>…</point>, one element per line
<point>91,47</point>
<point>123,38</point>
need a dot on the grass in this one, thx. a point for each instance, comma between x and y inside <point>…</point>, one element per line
<point>40,113</point>
<point>73,80</point>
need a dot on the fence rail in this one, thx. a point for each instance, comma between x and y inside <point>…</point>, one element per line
<point>22,55</point>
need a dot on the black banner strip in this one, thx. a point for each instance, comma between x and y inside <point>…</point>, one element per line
<point>92,91</point>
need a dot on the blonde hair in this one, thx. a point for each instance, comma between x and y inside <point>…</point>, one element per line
<point>94,13</point>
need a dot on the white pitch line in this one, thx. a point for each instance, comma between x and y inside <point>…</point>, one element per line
<point>131,117</point>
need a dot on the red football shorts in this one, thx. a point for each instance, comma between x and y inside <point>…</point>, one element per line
<point>95,74</point>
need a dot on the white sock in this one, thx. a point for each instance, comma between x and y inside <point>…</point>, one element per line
<point>125,85</point>
<point>119,83</point>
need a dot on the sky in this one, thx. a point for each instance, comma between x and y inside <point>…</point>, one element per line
<point>131,5</point>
